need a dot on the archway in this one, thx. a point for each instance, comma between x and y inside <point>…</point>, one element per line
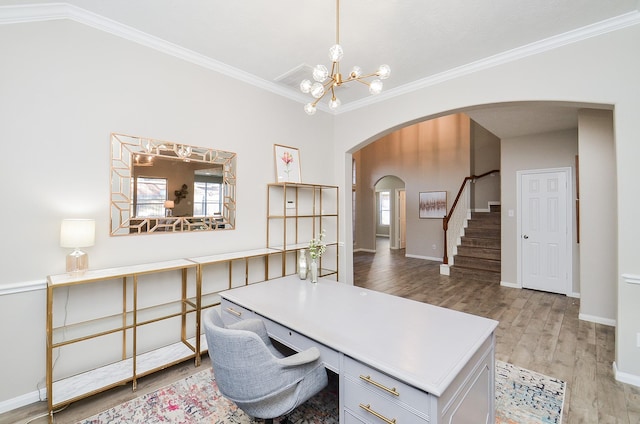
<point>389,210</point>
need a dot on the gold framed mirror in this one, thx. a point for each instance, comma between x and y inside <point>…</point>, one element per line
<point>160,186</point>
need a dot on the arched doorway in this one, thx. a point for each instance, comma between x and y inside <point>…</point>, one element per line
<point>390,210</point>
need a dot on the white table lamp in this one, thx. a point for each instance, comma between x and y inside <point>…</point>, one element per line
<point>77,233</point>
<point>169,205</point>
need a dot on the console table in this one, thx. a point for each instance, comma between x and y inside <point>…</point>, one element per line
<point>399,361</point>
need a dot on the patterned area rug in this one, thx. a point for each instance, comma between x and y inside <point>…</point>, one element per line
<point>527,397</point>
<point>522,397</point>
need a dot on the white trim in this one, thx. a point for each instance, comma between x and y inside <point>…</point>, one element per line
<point>597,320</point>
<point>541,46</point>
<point>631,279</point>
<point>53,11</point>
<point>445,269</point>
<point>428,258</point>
<point>624,377</point>
<point>364,250</point>
<point>574,294</point>
<point>26,286</point>
<point>23,400</point>
<point>512,285</point>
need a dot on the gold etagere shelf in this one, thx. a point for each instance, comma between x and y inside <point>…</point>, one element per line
<point>297,213</point>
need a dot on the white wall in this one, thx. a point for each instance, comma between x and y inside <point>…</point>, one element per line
<point>599,70</point>
<point>485,157</point>
<point>598,215</point>
<point>536,151</point>
<point>64,88</point>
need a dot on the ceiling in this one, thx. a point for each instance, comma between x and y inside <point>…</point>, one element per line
<point>274,43</point>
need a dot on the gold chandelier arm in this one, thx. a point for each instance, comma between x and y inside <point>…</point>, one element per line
<point>375,74</point>
<point>367,83</point>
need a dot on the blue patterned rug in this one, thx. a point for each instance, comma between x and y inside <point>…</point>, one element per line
<point>522,397</point>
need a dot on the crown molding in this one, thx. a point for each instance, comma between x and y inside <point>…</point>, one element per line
<point>54,11</point>
<point>57,11</point>
<point>589,31</point>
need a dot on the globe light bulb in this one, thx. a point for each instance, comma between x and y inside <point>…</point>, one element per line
<point>375,87</point>
<point>336,53</point>
<point>317,90</point>
<point>305,86</point>
<point>384,71</point>
<point>320,73</point>
<point>356,72</point>
<point>310,108</point>
<point>334,103</point>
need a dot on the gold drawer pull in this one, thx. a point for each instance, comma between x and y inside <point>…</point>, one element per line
<point>368,379</point>
<point>234,312</point>
<point>367,408</point>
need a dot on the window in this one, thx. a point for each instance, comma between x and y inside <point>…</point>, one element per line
<point>385,209</point>
<point>207,198</point>
<point>150,196</point>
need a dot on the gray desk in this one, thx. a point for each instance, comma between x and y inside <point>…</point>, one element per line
<point>399,361</point>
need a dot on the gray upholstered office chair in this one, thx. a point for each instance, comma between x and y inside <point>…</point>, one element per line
<point>253,374</point>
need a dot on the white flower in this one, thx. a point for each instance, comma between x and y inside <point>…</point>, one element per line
<point>317,246</point>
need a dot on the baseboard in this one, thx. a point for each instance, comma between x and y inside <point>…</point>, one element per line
<point>428,258</point>
<point>364,250</point>
<point>23,400</point>
<point>598,320</point>
<point>624,377</point>
<point>512,285</point>
<point>574,294</point>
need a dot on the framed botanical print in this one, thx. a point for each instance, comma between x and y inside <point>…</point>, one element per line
<point>287,164</point>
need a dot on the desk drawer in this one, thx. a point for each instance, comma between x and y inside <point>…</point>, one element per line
<point>299,342</point>
<point>230,312</point>
<point>375,408</point>
<point>386,387</point>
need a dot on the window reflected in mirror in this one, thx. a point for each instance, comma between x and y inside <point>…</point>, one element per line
<point>160,186</point>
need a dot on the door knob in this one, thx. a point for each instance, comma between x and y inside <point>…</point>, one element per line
<point>525,236</point>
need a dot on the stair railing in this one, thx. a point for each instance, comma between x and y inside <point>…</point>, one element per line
<point>455,220</point>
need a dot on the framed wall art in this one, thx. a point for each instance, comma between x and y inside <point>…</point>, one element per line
<point>287,164</point>
<point>433,204</point>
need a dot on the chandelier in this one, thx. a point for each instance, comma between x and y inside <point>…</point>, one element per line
<point>326,82</point>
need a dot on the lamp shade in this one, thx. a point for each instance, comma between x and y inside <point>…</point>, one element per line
<point>77,233</point>
<point>169,204</point>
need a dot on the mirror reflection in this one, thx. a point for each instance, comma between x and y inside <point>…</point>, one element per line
<point>159,186</point>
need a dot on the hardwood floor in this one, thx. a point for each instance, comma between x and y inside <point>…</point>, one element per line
<point>538,331</point>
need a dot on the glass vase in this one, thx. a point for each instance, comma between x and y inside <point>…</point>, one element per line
<point>313,270</point>
<point>303,269</point>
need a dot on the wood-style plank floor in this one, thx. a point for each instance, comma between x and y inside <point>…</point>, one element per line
<point>539,331</point>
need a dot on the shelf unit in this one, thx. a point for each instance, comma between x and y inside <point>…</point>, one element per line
<point>297,213</point>
<point>144,318</point>
<point>216,273</point>
<point>110,337</point>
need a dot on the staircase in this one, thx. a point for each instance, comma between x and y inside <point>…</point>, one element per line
<point>478,256</point>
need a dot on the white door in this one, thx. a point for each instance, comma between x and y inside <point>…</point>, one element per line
<point>544,222</point>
